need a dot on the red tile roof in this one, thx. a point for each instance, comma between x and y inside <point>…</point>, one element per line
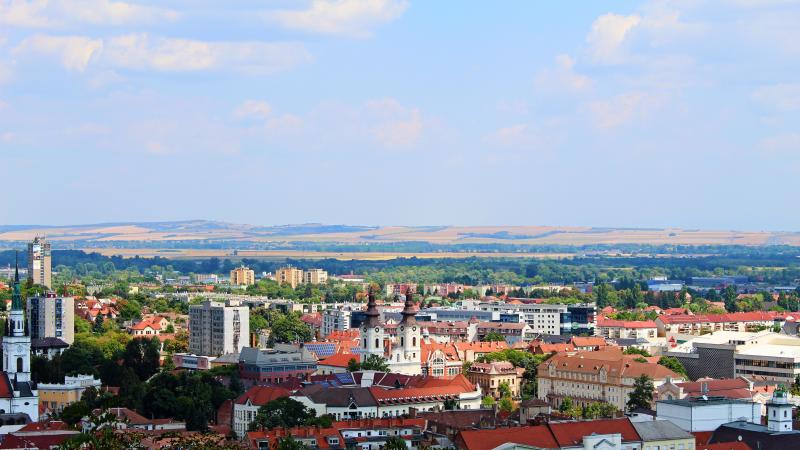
<point>753,316</point>
<point>537,436</point>
<point>568,434</point>
<point>261,395</point>
<point>338,360</point>
<point>588,341</point>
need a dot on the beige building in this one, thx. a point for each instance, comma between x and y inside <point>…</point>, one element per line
<point>489,376</point>
<point>663,435</point>
<point>596,376</point>
<point>243,276</point>
<point>55,397</point>
<point>315,276</point>
<point>289,275</point>
<point>39,263</point>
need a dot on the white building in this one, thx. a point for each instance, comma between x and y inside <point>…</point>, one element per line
<point>540,317</point>
<point>216,328</point>
<point>18,394</point>
<point>406,355</point>
<point>707,414</point>
<point>336,320</point>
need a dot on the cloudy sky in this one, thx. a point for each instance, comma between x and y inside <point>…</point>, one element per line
<point>606,113</point>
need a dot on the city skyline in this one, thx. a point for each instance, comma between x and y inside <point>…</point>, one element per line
<point>626,114</point>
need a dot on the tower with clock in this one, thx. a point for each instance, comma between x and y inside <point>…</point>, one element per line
<point>18,394</point>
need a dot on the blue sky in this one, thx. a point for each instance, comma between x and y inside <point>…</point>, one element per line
<point>636,114</point>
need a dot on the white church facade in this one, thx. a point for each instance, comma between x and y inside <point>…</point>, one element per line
<point>402,354</point>
<point>18,394</point>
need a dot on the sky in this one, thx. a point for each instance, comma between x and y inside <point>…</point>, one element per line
<point>652,113</point>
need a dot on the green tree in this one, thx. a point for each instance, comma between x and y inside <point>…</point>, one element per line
<point>504,389</point>
<point>636,351</point>
<point>450,404</point>
<point>290,443</point>
<point>488,401</point>
<point>395,443</point>
<point>283,412</point>
<point>506,404</point>
<point>642,394</point>
<point>142,355</point>
<point>566,405</point>
<point>374,362</point>
<point>493,336</point>
<point>353,365</point>
<point>98,325</point>
<point>672,363</point>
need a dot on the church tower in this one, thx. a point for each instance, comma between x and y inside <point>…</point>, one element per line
<point>23,397</point>
<point>406,356</point>
<point>779,411</point>
<point>16,340</point>
<point>372,330</point>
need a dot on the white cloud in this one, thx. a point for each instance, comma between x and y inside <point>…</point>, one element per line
<point>563,78</point>
<point>285,123</point>
<point>253,109</point>
<point>607,38</point>
<point>141,52</point>
<point>623,109</point>
<point>353,18</point>
<point>784,96</point>
<point>66,13</point>
<point>74,52</point>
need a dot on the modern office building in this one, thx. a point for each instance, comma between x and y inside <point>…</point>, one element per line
<point>289,275</point>
<point>39,262</point>
<point>51,316</point>
<point>216,328</point>
<point>243,276</point>
<point>277,364</point>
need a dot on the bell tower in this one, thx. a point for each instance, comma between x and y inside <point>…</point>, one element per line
<point>372,330</point>
<point>16,340</point>
<point>779,411</point>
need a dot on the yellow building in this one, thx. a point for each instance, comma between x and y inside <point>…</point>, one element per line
<point>242,276</point>
<point>289,275</point>
<point>315,276</point>
<point>55,397</point>
<point>489,376</point>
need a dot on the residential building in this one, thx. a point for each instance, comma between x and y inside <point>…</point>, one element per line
<point>336,319</point>
<point>39,262</point>
<point>315,276</point>
<point>663,435</point>
<point>440,359</point>
<point>54,397</point>
<point>532,408</point>
<point>150,326</point>
<point>216,328</point>
<point>51,316</point>
<point>491,376</point>
<point>243,276</point>
<point>246,406</point>
<point>511,332</point>
<point>360,434</point>
<point>281,363</point>
<point>289,275</point>
<point>707,413</point>
<point>18,393</point>
<point>626,329</point>
<point>337,363</point>
<point>595,376</point>
<point>701,324</point>
<point>540,317</point>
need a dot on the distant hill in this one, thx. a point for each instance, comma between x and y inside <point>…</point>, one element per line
<point>213,234</point>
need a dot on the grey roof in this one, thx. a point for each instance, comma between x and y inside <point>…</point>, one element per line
<point>338,397</point>
<point>251,355</point>
<point>48,342</point>
<point>756,428</point>
<point>698,402</point>
<point>660,430</point>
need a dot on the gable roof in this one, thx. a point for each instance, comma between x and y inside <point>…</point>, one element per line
<point>261,395</point>
<point>571,433</point>
<point>538,436</point>
<point>338,360</point>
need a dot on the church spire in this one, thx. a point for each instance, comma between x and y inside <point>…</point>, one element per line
<point>373,315</point>
<point>409,310</point>
<point>16,296</point>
